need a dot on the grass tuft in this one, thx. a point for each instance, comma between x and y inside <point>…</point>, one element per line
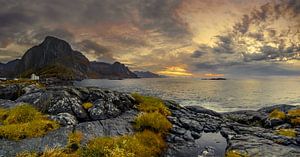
<point>234,153</point>
<point>277,114</point>
<point>24,121</point>
<point>294,113</point>
<point>87,105</point>
<point>142,144</point>
<point>287,132</point>
<point>153,121</point>
<point>27,154</point>
<point>295,121</point>
<point>74,140</point>
<point>151,104</point>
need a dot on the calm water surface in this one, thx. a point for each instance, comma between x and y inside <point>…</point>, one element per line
<point>228,95</point>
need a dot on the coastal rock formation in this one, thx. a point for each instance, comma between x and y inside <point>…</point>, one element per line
<point>196,131</point>
<point>55,58</point>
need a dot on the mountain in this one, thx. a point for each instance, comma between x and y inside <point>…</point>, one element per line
<point>112,71</point>
<point>147,74</point>
<point>55,58</point>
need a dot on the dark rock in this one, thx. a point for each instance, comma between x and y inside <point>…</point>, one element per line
<point>54,139</point>
<point>110,127</point>
<point>10,92</point>
<point>246,117</point>
<point>7,103</point>
<point>199,109</point>
<point>272,122</point>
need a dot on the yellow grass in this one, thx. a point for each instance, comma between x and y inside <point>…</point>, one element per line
<point>87,105</point>
<point>24,121</point>
<point>277,114</point>
<point>287,132</point>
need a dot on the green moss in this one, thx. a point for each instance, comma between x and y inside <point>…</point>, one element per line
<point>142,144</point>
<point>287,132</point>
<point>277,114</point>
<point>87,105</point>
<point>151,104</point>
<point>153,121</point>
<point>24,121</point>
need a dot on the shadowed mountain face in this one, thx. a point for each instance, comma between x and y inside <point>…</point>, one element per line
<point>148,74</point>
<point>55,58</point>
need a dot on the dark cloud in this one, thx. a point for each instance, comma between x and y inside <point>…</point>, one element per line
<point>157,14</point>
<point>197,54</point>
<point>262,70</point>
<point>27,22</point>
<point>100,52</point>
<point>224,45</point>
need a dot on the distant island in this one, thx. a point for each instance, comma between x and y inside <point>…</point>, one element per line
<point>148,74</point>
<point>54,58</point>
<point>214,78</point>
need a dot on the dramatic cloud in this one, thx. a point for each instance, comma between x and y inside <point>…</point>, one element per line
<point>172,36</point>
<point>268,34</point>
<point>95,50</point>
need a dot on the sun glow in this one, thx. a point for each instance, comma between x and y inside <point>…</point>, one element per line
<point>213,75</point>
<point>175,71</point>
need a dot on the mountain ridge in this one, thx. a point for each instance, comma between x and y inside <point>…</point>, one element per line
<point>55,57</point>
<point>148,74</point>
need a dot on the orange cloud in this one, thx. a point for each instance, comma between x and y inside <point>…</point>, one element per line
<point>175,71</point>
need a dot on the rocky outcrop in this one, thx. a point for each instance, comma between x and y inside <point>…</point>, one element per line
<point>244,131</point>
<point>112,114</point>
<point>196,131</point>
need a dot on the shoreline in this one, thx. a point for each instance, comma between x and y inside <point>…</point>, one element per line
<point>246,132</point>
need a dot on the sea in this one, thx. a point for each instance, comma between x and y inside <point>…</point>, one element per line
<point>219,95</point>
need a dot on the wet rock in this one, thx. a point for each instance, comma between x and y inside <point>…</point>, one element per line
<point>177,130</point>
<point>207,152</point>
<point>203,110</point>
<point>246,117</point>
<point>273,122</point>
<point>257,146</point>
<point>188,136</point>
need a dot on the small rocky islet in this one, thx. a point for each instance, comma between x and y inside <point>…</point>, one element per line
<point>196,131</point>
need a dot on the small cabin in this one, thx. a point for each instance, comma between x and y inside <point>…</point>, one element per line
<point>34,77</point>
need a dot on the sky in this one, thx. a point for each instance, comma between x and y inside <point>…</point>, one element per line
<point>193,38</point>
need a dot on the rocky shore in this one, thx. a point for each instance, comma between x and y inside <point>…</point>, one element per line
<point>196,131</point>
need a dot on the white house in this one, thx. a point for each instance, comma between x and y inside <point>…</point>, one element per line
<point>34,77</point>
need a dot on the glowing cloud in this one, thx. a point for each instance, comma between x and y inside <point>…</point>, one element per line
<point>175,71</point>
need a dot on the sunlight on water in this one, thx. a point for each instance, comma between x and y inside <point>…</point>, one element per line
<point>228,95</point>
